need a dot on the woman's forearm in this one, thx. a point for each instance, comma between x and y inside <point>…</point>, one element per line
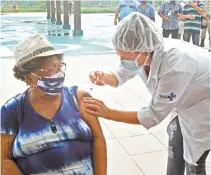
<point>9,167</point>
<point>100,156</point>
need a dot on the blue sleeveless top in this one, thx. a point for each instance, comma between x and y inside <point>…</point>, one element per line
<point>63,146</point>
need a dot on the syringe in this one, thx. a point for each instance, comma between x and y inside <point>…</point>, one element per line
<point>93,85</point>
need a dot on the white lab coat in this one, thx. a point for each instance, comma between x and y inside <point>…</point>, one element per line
<point>179,79</point>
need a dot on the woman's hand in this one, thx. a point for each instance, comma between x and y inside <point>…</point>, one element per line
<point>96,107</point>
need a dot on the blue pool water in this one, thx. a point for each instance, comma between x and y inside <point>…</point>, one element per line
<point>97,39</point>
<point>97,28</point>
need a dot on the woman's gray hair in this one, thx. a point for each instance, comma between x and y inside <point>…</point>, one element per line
<point>22,70</point>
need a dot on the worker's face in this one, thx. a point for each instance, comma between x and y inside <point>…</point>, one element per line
<point>132,56</point>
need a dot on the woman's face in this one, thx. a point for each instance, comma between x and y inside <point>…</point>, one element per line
<point>50,67</point>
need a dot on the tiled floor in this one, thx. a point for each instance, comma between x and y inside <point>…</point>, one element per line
<point>132,150</point>
<point>152,163</point>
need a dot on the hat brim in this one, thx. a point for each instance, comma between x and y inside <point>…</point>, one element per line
<point>48,53</point>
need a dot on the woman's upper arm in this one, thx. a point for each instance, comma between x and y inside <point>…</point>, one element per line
<point>8,129</point>
<point>92,121</point>
<point>8,166</point>
<point>6,146</point>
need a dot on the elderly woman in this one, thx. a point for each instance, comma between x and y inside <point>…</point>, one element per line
<point>177,75</point>
<point>45,129</point>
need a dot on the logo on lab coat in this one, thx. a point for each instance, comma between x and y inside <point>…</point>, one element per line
<point>167,97</point>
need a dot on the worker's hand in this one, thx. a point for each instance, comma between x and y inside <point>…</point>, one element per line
<point>97,77</point>
<point>194,4</point>
<point>166,19</point>
<point>96,107</point>
<point>115,22</point>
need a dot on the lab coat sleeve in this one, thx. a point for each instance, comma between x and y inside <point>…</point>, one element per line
<point>124,75</point>
<point>169,91</point>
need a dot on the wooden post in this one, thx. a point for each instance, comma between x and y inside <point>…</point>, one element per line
<point>53,19</point>
<point>48,9</point>
<point>58,12</point>
<point>66,15</point>
<point>77,19</point>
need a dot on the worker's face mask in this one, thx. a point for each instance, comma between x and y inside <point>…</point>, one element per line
<point>131,65</point>
<point>51,85</point>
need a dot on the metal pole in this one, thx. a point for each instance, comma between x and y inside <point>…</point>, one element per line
<point>77,19</point>
<point>66,15</point>
<point>48,9</point>
<point>53,19</point>
<point>58,12</point>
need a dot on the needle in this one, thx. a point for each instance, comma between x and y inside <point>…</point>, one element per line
<point>93,85</point>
